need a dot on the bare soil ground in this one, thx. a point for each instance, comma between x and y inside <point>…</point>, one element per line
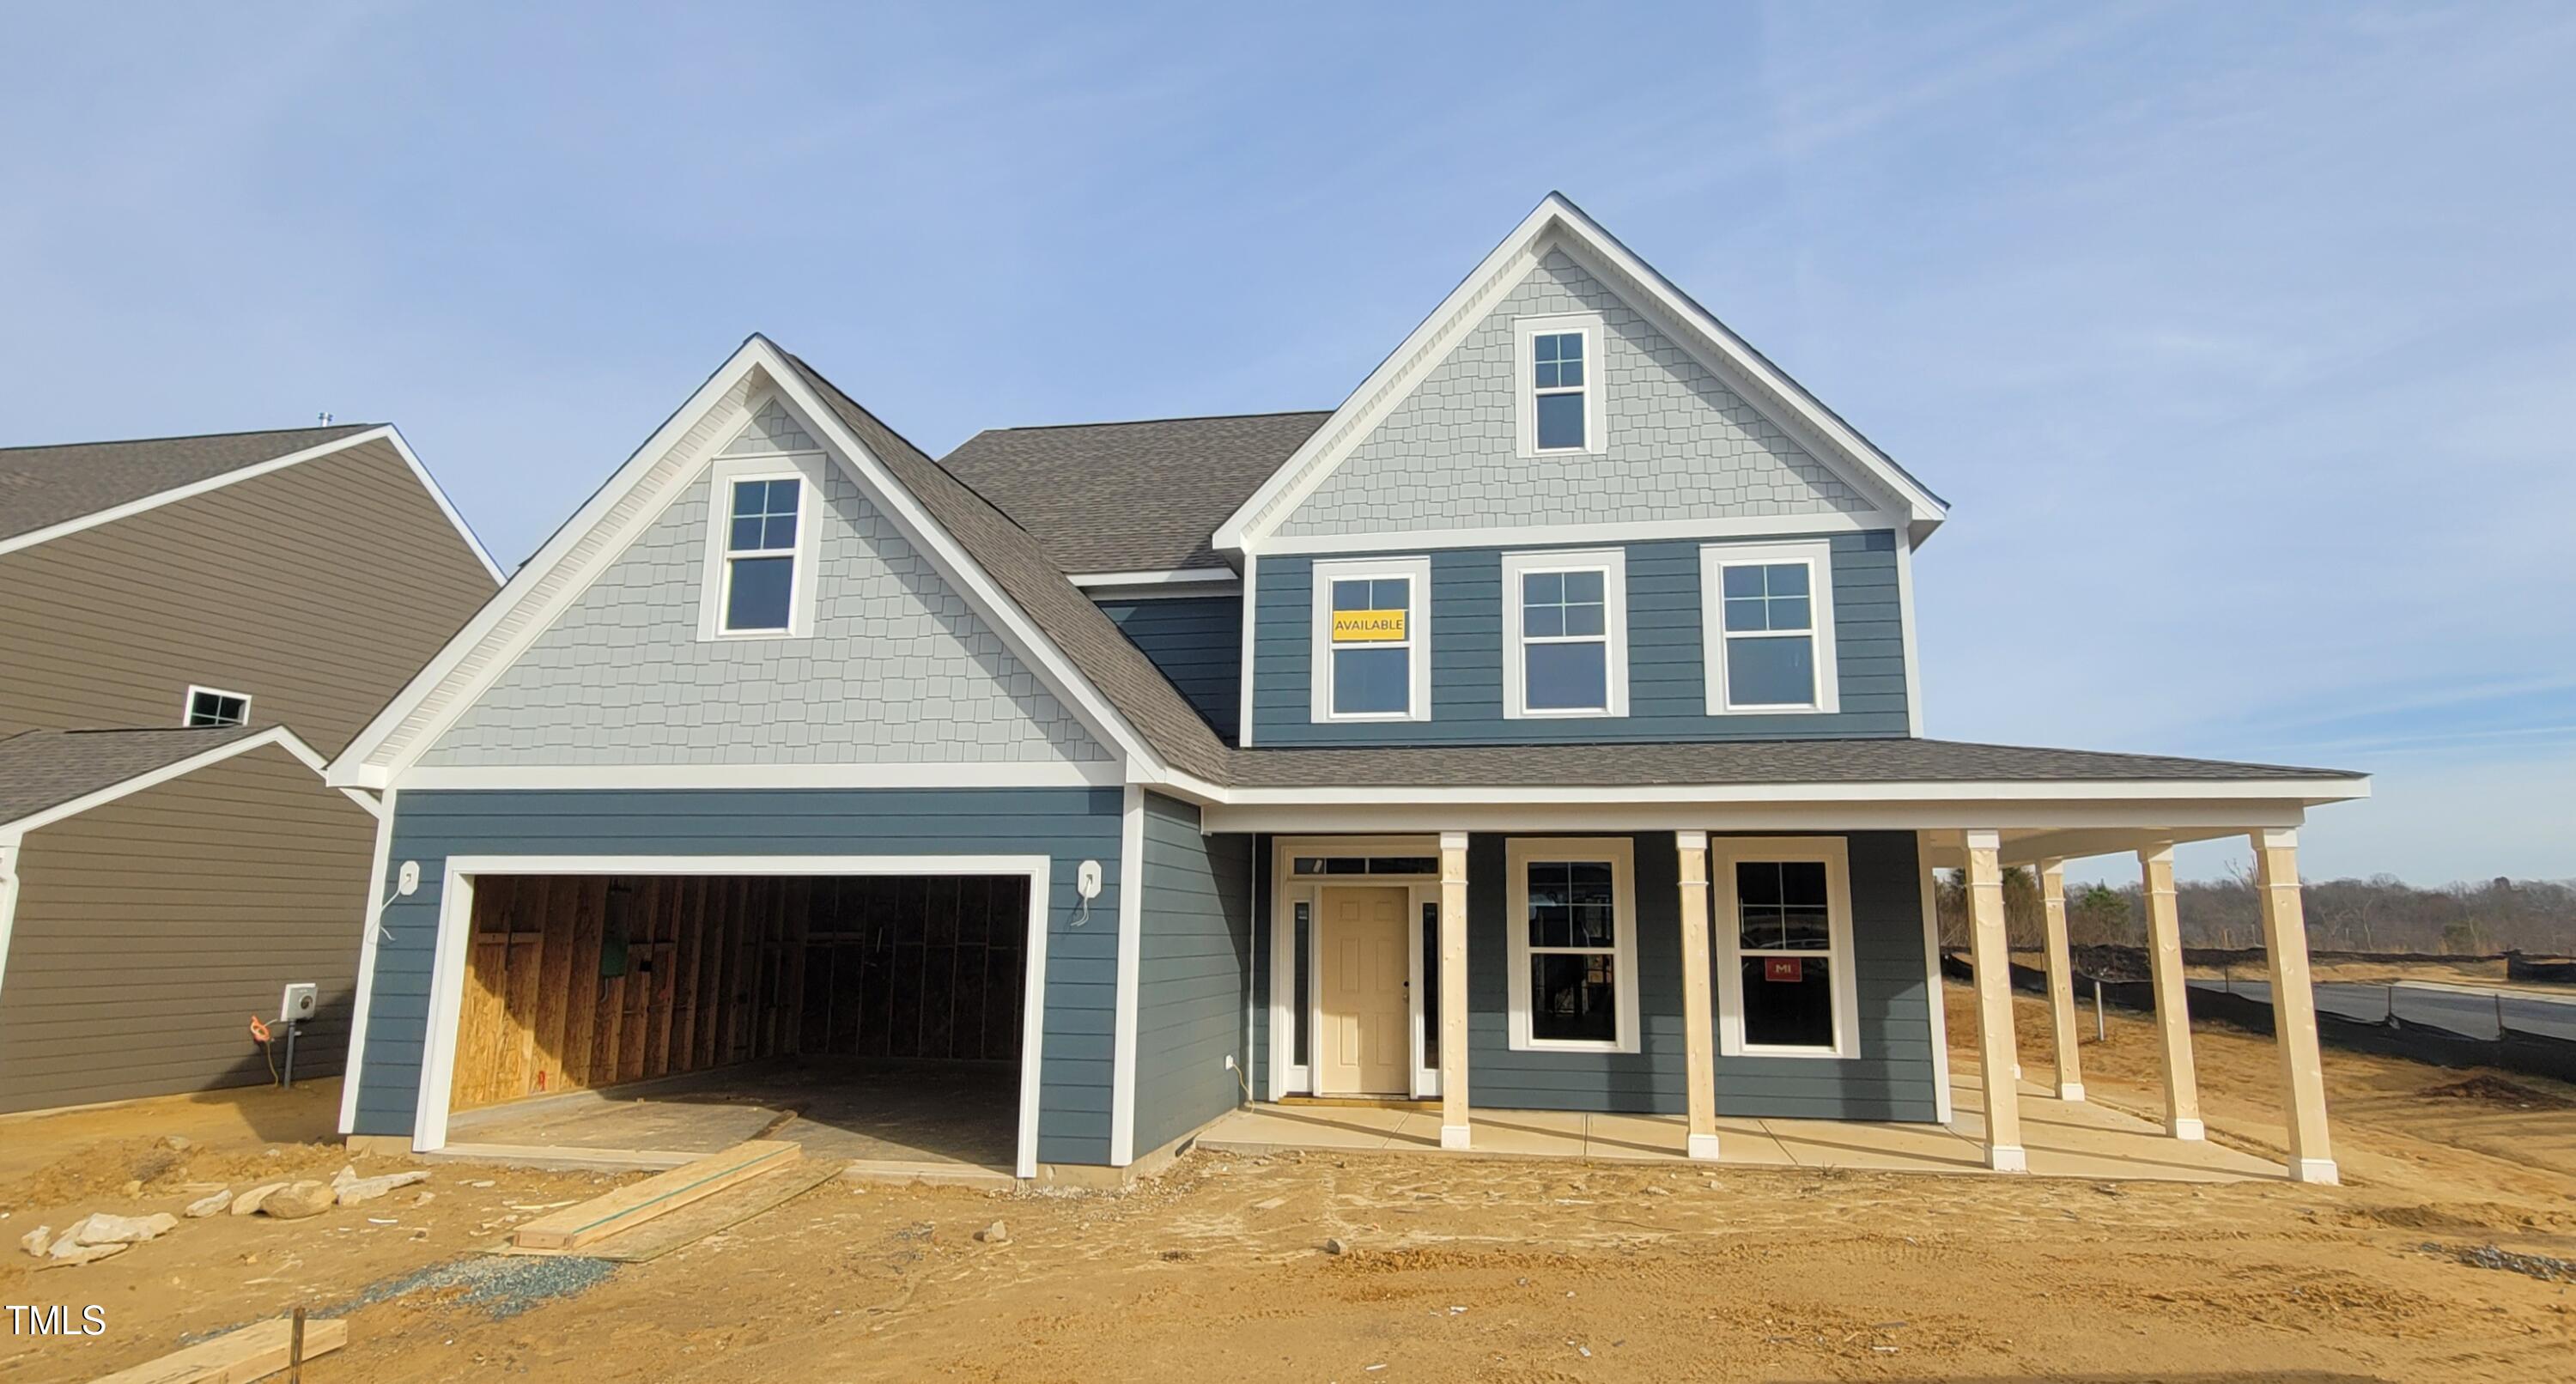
<point>1456,1268</point>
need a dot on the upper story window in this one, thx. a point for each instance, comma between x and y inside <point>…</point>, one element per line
<point>1558,383</point>
<point>1573,944</point>
<point>1785,983</point>
<point>1372,640</point>
<point>1565,634</point>
<point>761,547</point>
<point>1768,616</point>
<point>208,706</point>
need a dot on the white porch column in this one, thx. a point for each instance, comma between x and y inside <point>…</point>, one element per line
<point>2294,1005</point>
<point>2061,979</point>
<point>2173,994</point>
<point>1990,951</point>
<point>1699,1028</point>
<point>1453,990</point>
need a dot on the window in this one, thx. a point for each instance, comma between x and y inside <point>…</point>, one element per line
<point>1785,982</point>
<point>1768,612</point>
<point>1573,945</point>
<point>1431,987</point>
<point>1365,865</point>
<point>760,555</point>
<point>207,706</point>
<point>1372,646</point>
<point>1565,629</point>
<point>1559,390</point>
<point>1304,982</point>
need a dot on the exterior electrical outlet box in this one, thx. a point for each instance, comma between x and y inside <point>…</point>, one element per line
<point>299,1004</point>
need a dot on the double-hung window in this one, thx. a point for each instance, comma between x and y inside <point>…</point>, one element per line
<point>209,706</point>
<point>1372,642</point>
<point>1565,634</point>
<point>1785,984</point>
<point>1557,361</point>
<point>1573,944</point>
<point>1769,637</point>
<point>762,548</point>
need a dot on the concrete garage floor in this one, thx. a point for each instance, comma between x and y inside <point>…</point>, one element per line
<point>955,1121</point>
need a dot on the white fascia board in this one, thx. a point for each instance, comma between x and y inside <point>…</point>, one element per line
<point>1190,581</point>
<point>1588,535</point>
<point>455,518</point>
<point>369,759</point>
<point>2310,792</point>
<point>1057,774</point>
<point>279,736</point>
<point>2174,819</point>
<point>1248,529</point>
<point>193,489</point>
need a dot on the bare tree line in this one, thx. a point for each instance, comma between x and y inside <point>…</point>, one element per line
<point>2378,914</point>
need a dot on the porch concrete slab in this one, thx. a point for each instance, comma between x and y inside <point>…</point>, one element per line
<point>1662,1138</point>
<point>1873,1145</point>
<point>1520,1133</point>
<point>1274,1128</point>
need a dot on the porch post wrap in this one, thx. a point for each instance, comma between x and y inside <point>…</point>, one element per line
<point>1698,1027</point>
<point>1453,990</point>
<point>2061,980</point>
<point>1990,951</point>
<point>2294,1005</point>
<point>2173,995</point>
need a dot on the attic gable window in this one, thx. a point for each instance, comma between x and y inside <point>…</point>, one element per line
<point>760,557</point>
<point>1558,383</point>
<point>209,706</point>
<point>762,547</point>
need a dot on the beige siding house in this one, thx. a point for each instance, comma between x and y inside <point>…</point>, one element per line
<point>193,626</point>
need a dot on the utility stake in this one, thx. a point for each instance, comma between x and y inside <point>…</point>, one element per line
<point>2499,999</point>
<point>295,1350</point>
<point>2101,1034</point>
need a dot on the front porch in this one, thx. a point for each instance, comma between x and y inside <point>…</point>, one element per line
<point>2081,1139</point>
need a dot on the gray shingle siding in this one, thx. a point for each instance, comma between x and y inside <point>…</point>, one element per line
<point>1194,962</point>
<point>1069,825</point>
<point>1666,678</point>
<point>1678,443</point>
<point>1198,643</point>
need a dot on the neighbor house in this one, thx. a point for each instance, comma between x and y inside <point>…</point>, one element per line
<point>189,627</point>
<point>1137,771</point>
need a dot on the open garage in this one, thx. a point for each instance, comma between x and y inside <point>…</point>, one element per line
<point>872,1018</point>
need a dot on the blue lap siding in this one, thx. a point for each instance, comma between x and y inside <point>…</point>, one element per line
<point>1667,682</point>
<point>1198,643</point>
<point>1069,825</point>
<point>1194,962</point>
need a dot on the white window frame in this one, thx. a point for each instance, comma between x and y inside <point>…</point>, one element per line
<point>188,707</point>
<point>1417,631</point>
<point>1619,853</point>
<point>1612,564</point>
<point>716,575</point>
<point>1525,333</point>
<point>1834,852</point>
<point>1714,559</point>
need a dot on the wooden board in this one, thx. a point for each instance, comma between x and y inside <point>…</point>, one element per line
<point>660,1194</point>
<point>722,1211</point>
<point>237,1357</point>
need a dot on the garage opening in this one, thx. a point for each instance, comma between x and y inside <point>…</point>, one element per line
<point>870,1018</point>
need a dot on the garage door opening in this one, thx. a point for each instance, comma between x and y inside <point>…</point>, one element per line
<point>871,1018</point>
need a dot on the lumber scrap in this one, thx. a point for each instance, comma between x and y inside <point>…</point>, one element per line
<point>237,1357</point>
<point>638,1202</point>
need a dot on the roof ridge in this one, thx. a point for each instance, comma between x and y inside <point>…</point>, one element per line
<point>897,435</point>
<point>1139,422</point>
<point>184,437</point>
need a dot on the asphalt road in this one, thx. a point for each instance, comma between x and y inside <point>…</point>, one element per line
<point>2471,1013</point>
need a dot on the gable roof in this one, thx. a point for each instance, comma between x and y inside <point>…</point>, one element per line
<point>1557,221</point>
<point>44,486</point>
<point>44,770</point>
<point>54,491</point>
<point>1143,496</point>
<point>1019,564</point>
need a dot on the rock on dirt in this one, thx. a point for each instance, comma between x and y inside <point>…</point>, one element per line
<point>103,1228</point>
<point>297,1200</point>
<point>361,1189</point>
<point>209,1205</point>
<point>34,1241</point>
<point>250,1201</point>
<point>66,1252</point>
<point>994,1234</point>
<point>1336,1247</point>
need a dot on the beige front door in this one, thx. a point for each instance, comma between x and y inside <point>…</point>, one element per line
<point>1365,1002</point>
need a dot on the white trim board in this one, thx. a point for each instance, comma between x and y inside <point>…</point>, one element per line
<point>1104,773</point>
<point>1713,526</point>
<point>1503,811</point>
<point>455,933</point>
<point>279,736</point>
<point>377,898</point>
<point>1129,978</point>
<point>1192,581</point>
<point>382,432</point>
<point>1557,223</point>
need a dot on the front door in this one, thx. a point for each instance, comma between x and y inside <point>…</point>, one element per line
<point>1364,1001</point>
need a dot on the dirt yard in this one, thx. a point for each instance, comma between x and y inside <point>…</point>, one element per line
<point>1454,1268</point>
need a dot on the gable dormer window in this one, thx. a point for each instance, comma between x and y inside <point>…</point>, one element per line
<point>761,548</point>
<point>1558,360</point>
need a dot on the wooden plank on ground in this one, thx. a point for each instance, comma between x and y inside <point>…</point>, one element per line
<point>638,1202</point>
<point>237,1357</point>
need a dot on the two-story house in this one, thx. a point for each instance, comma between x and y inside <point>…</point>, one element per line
<point>189,628</point>
<point>1127,773</point>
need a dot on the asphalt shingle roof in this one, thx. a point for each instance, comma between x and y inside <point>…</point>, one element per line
<point>47,768</point>
<point>44,486</point>
<point>1130,497</point>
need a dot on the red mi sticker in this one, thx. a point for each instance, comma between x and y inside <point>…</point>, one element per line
<point>1789,968</point>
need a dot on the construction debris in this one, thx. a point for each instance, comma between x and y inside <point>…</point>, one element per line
<point>207,1206</point>
<point>254,1352</point>
<point>638,1202</point>
<point>297,1200</point>
<point>364,1189</point>
<point>102,1228</point>
<point>248,1203</point>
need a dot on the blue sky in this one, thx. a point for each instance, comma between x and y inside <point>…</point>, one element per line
<point>2240,337</point>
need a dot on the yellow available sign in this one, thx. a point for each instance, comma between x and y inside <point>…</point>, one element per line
<point>1367,626</point>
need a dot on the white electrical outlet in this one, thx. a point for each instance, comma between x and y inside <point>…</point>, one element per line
<point>1229,1062</point>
